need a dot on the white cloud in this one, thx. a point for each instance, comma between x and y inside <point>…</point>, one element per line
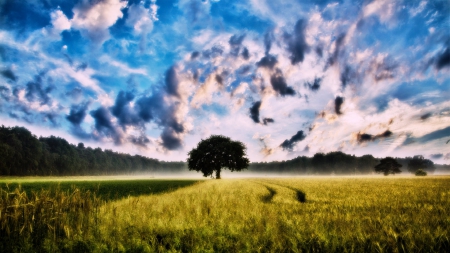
<point>414,11</point>
<point>122,68</point>
<point>95,18</point>
<point>59,21</point>
<point>141,18</point>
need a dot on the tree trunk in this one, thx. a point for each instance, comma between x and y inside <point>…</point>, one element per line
<point>218,174</point>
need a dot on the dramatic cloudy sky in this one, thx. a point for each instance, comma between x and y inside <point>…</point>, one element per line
<point>287,78</point>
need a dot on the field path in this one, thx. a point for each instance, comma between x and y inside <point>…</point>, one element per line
<point>235,215</point>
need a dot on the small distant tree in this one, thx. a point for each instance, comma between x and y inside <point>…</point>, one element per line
<point>420,172</point>
<point>388,166</point>
<point>418,162</point>
<point>216,153</point>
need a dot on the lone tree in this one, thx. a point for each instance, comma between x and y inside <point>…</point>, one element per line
<point>388,166</point>
<point>216,153</point>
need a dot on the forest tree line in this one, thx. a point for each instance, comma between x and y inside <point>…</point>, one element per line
<point>338,163</point>
<point>23,154</point>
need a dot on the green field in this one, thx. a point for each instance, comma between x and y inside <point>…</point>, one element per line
<point>301,214</point>
<point>108,188</point>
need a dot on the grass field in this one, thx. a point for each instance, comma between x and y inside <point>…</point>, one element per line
<point>108,188</point>
<point>304,214</point>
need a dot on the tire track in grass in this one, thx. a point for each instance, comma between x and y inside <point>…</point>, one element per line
<point>300,196</point>
<point>268,198</point>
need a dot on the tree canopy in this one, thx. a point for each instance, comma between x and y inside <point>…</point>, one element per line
<point>388,166</point>
<point>216,153</point>
<point>24,154</point>
<point>419,162</point>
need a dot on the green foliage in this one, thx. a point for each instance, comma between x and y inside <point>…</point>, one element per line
<point>320,164</point>
<point>420,172</point>
<point>105,189</point>
<point>418,162</point>
<point>29,221</point>
<point>64,216</point>
<point>216,153</point>
<point>23,154</point>
<point>388,166</point>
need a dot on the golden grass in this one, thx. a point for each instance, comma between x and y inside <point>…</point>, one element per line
<point>340,214</point>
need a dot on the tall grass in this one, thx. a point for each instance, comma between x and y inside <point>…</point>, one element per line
<point>255,215</point>
<point>44,221</point>
<point>238,215</point>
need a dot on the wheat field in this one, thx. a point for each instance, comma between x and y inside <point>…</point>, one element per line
<point>300,214</point>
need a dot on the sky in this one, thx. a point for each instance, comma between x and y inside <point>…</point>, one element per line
<point>286,78</point>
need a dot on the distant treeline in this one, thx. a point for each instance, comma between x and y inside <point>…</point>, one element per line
<point>23,154</point>
<point>331,163</point>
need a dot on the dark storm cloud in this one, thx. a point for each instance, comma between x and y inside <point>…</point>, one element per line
<point>8,74</point>
<point>235,44</point>
<point>172,82</point>
<point>383,70</point>
<point>77,114</point>
<point>346,76</point>
<point>279,84</point>
<point>150,107</point>
<point>219,79</point>
<point>214,52</point>
<point>254,111</point>
<point>243,70</point>
<point>122,111</point>
<point>315,85</point>
<point>337,104</point>
<point>5,93</point>
<point>425,116</point>
<point>289,144</point>
<point>245,54</point>
<point>102,119</point>
<point>338,44</point>
<point>268,38</point>
<point>385,134</point>
<point>268,61</point>
<point>52,117</point>
<point>80,133</point>
<point>194,55</point>
<point>267,121</point>
<point>69,59</point>
<point>153,108</point>
<point>443,60</point>
<point>82,66</point>
<point>139,140</point>
<point>75,93</point>
<point>236,40</point>
<point>436,156</point>
<point>103,124</point>
<point>169,120</point>
<point>319,51</point>
<point>36,92</point>
<point>297,46</point>
<point>442,133</point>
<point>363,137</point>
<point>170,140</point>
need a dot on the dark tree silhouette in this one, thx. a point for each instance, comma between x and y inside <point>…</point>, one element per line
<point>216,153</point>
<point>416,163</point>
<point>388,166</point>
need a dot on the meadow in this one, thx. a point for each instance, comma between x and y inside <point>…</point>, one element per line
<point>298,214</point>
